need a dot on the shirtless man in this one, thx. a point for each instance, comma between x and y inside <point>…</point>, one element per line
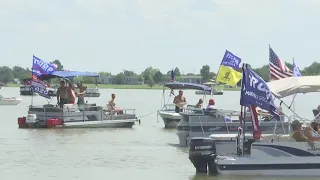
<point>179,101</point>
<point>71,95</point>
<point>62,95</point>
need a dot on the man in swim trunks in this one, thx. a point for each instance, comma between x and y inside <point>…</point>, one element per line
<point>179,101</point>
<point>62,95</point>
<point>71,94</point>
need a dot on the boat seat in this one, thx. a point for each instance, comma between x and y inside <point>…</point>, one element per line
<point>211,112</point>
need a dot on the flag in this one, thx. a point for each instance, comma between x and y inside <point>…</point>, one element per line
<point>40,67</point>
<point>228,71</point>
<point>255,122</point>
<point>255,92</point>
<point>295,69</point>
<point>172,76</point>
<point>172,80</point>
<point>277,69</point>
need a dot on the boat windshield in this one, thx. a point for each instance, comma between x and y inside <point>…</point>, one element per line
<point>1,97</point>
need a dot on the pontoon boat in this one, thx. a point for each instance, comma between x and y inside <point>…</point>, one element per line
<point>74,116</point>
<point>167,113</point>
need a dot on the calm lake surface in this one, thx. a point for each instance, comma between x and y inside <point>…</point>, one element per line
<point>147,151</point>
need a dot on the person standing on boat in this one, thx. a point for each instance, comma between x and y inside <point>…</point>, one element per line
<point>81,94</point>
<point>112,105</point>
<point>62,95</point>
<point>179,101</point>
<point>71,94</point>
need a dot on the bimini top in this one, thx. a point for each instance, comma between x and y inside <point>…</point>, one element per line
<point>182,85</point>
<point>293,85</point>
<point>68,74</point>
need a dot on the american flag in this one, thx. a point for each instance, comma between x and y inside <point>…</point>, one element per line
<point>277,69</point>
<point>172,76</point>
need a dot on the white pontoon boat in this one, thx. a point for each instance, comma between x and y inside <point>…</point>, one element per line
<point>72,116</point>
<point>9,101</point>
<point>167,113</point>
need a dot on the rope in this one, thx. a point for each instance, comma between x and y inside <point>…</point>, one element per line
<point>147,114</point>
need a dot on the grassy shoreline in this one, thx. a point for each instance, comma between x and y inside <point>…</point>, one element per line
<point>126,86</point>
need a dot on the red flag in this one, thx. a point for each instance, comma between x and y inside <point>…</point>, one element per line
<point>255,122</point>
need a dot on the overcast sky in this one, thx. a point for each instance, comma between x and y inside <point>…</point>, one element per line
<point>112,35</point>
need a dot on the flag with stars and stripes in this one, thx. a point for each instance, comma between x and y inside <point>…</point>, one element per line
<point>172,76</point>
<point>277,68</point>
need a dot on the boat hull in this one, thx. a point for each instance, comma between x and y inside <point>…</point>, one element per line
<point>9,102</point>
<point>170,119</point>
<point>297,166</point>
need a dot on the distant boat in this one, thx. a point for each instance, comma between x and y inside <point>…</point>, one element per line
<point>211,83</point>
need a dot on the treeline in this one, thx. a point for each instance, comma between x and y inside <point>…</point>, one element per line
<point>149,76</point>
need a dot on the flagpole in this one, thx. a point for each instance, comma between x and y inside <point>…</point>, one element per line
<point>31,82</point>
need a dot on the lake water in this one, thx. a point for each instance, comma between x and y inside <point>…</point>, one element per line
<point>147,151</point>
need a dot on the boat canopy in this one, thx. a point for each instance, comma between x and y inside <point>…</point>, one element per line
<point>292,85</point>
<point>182,85</point>
<point>68,74</point>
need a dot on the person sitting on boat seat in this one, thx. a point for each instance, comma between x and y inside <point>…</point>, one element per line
<point>71,94</point>
<point>179,101</point>
<point>312,131</point>
<point>62,95</point>
<point>211,105</point>
<point>298,134</point>
<point>112,105</point>
<point>199,104</point>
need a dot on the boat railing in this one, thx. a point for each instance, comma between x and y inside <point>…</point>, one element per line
<point>50,108</point>
<point>192,110</point>
<point>168,107</point>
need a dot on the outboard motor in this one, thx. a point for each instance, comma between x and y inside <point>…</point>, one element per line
<point>202,153</point>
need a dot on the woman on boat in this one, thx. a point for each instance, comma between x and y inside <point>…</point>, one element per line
<point>298,134</point>
<point>81,94</point>
<point>112,105</point>
<point>312,131</point>
<point>199,104</point>
<point>211,104</point>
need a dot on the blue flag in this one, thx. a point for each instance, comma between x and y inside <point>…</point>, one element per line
<point>230,60</point>
<point>255,91</point>
<point>296,71</point>
<point>40,67</point>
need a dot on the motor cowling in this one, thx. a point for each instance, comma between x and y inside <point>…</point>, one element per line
<point>202,153</point>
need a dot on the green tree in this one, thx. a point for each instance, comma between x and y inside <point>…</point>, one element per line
<point>176,72</point>
<point>313,69</point>
<point>158,77</point>
<point>129,73</point>
<point>140,79</point>
<point>104,74</point>
<point>58,63</point>
<point>205,72</point>
<point>150,82</point>
<point>6,74</point>
<point>120,77</point>
<point>148,73</point>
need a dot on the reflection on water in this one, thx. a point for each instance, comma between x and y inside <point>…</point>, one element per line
<point>147,151</point>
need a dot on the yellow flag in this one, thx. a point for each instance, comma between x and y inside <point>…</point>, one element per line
<point>228,75</point>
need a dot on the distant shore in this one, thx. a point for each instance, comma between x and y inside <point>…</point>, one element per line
<point>127,86</point>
